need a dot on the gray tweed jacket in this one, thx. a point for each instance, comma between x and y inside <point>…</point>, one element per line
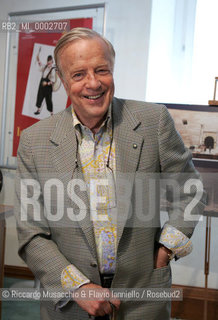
<point>147,144</point>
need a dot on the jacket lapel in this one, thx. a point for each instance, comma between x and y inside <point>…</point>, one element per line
<point>128,144</point>
<point>64,143</point>
<point>64,154</point>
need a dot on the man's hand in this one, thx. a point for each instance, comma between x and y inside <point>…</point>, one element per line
<point>162,258</point>
<point>97,307</point>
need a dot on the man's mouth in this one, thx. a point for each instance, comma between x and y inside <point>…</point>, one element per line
<point>95,97</point>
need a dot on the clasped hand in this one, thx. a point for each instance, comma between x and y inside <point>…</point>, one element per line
<point>99,306</point>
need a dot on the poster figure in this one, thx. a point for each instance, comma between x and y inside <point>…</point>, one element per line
<point>44,93</point>
<point>46,83</point>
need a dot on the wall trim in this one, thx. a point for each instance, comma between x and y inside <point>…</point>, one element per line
<point>198,292</point>
<point>18,272</point>
<point>198,303</point>
<point>58,9</point>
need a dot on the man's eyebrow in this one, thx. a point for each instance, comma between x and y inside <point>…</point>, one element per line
<point>76,70</point>
<point>103,65</point>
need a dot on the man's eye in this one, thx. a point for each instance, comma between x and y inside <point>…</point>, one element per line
<point>78,76</point>
<point>103,71</point>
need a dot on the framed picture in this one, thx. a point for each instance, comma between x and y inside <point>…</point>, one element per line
<point>198,127</point>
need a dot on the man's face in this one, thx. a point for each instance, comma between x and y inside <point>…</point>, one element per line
<point>87,75</point>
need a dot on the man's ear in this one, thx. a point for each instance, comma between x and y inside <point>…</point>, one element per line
<point>59,74</point>
<point>63,81</point>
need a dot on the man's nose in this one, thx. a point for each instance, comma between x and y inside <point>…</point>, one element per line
<point>92,81</point>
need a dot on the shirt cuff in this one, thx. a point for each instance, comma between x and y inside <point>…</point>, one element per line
<point>72,278</point>
<point>176,241</point>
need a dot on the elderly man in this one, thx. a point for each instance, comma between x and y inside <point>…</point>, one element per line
<point>88,172</point>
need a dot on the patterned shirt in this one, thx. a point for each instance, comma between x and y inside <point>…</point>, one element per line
<point>95,151</point>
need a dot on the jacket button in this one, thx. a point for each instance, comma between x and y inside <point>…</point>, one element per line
<point>93,264</point>
<point>135,146</point>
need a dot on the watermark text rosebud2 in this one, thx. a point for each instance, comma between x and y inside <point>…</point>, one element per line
<point>54,199</point>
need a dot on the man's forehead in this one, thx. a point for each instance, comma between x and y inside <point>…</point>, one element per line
<point>85,50</point>
<point>83,44</point>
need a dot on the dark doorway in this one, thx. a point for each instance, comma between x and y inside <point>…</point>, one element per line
<point>209,142</point>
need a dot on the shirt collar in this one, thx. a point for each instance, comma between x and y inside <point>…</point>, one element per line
<point>78,125</point>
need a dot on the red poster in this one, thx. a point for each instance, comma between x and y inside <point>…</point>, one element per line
<point>35,66</point>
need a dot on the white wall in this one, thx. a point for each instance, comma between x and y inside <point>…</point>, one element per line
<point>183,51</point>
<point>171,51</point>
<point>205,66</point>
<point>128,28</point>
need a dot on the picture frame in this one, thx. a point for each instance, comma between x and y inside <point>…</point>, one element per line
<point>195,123</point>
<point>198,127</point>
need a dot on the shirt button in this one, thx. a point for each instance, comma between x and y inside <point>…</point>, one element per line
<point>93,264</point>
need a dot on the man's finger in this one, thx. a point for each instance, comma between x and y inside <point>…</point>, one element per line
<point>115,303</point>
